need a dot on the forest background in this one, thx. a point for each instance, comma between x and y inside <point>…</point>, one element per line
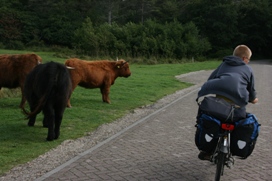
<point>148,31</point>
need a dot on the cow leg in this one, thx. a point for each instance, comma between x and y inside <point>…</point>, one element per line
<point>58,119</point>
<point>105,91</point>
<point>45,123</point>
<point>33,101</point>
<point>103,94</point>
<point>69,103</point>
<point>74,84</point>
<point>59,110</point>
<point>23,100</point>
<point>32,119</point>
<point>49,118</point>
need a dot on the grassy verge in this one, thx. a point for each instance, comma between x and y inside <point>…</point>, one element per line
<point>148,83</point>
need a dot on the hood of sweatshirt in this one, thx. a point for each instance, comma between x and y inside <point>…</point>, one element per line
<point>233,60</point>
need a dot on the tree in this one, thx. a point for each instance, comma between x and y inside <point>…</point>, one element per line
<point>216,20</point>
<point>255,26</point>
<point>85,38</point>
<point>139,28</point>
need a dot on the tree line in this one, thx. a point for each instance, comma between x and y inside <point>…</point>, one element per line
<point>160,29</point>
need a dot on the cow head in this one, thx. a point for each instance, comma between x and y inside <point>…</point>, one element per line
<point>123,68</point>
<point>36,57</point>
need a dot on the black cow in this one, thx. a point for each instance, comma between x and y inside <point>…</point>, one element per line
<point>47,88</point>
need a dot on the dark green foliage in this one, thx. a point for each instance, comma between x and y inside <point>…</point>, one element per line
<point>146,29</point>
<point>255,25</point>
<point>150,39</point>
<point>229,23</point>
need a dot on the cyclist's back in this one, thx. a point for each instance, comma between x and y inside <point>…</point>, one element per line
<point>233,78</point>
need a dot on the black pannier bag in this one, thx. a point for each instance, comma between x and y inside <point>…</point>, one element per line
<point>216,107</point>
<point>207,131</point>
<point>244,136</point>
<point>220,109</point>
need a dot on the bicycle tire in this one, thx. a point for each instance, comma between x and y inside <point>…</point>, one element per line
<point>220,165</point>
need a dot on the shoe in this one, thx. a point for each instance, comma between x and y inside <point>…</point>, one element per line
<point>204,156</point>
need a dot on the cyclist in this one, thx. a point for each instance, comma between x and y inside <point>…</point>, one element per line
<point>232,80</point>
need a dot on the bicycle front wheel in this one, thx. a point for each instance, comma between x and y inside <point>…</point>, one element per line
<point>220,165</point>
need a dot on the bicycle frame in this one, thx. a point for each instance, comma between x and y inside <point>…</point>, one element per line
<point>222,155</point>
<point>227,127</point>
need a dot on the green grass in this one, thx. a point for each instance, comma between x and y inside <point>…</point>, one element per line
<point>148,83</point>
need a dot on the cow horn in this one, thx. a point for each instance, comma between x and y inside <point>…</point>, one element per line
<point>71,68</point>
<point>116,58</point>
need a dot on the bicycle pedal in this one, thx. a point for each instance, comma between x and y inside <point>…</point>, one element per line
<point>230,162</point>
<point>214,158</point>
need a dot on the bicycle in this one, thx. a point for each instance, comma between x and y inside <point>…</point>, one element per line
<point>214,130</point>
<point>222,155</point>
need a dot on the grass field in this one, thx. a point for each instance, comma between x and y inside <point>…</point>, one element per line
<point>148,83</point>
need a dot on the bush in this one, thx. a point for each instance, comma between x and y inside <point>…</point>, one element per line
<point>151,41</point>
<point>15,45</point>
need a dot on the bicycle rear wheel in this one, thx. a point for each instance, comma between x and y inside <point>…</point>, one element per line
<point>220,165</point>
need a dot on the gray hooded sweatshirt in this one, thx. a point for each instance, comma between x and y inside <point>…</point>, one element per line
<point>232,79</point>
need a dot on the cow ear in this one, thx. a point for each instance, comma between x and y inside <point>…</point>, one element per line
<point>33,56</point>
<point>117,64</point>
<point>36,57</point>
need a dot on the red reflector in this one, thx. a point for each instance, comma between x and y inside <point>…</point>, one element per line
<point>227,126</point>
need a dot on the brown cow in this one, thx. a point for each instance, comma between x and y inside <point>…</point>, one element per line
<point>14,69</point>
<point>97,74</point>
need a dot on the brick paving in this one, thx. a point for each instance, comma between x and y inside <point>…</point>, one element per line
<point>161,146</point>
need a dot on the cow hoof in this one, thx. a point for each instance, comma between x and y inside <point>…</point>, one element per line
<point>107,102</point>
<point>45,126</point>
<point>30,124</point>
<point>49,139</point>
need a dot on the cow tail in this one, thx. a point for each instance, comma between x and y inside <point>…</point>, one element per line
<point>54,74</point>
<point>38,108</point>
<point>54,85</point>
<point>42,101</point>
<point>25,112</point>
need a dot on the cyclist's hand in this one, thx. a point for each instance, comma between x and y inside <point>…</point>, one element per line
<point>255,101</point>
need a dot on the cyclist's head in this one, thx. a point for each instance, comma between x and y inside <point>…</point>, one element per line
<point>243,52</point>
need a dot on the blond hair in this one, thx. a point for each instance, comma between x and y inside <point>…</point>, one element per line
<point>242,51</point>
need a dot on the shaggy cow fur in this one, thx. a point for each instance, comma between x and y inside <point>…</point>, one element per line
<point>47,89</point>
<point>14,69</point>
<point>97,74</point>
